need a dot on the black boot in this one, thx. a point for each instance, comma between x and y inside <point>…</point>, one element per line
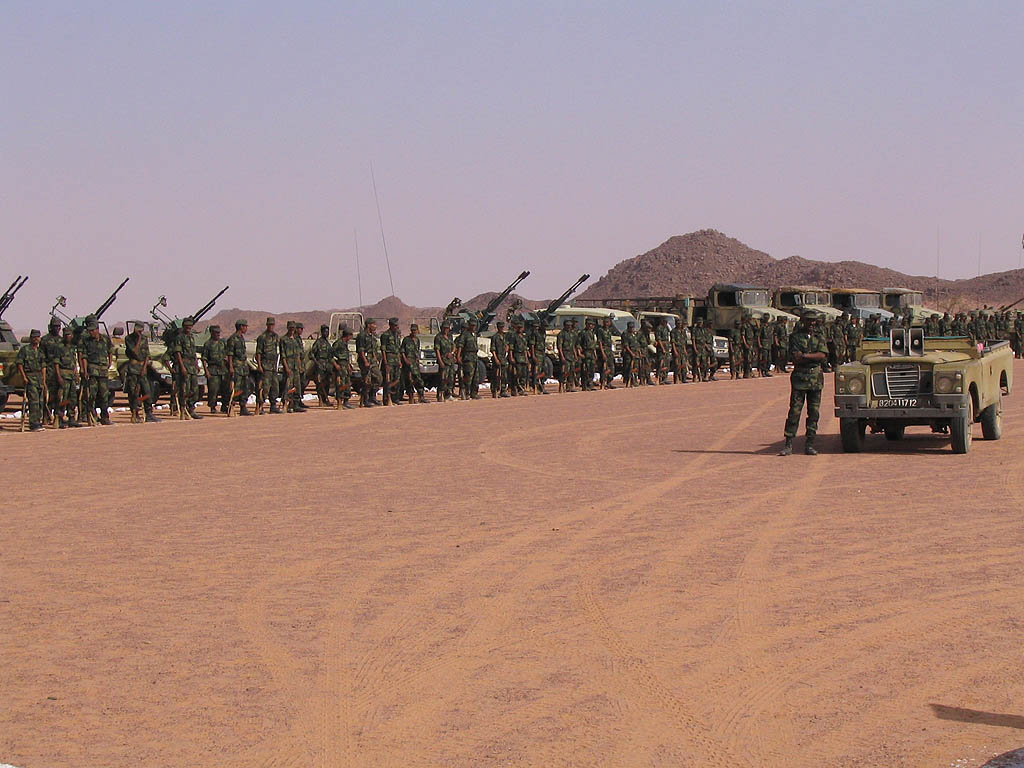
<point>243,410</point>
<point>150,418</point>
<point>787,449</point>
<point>809,448</point>
<point>191,414</point>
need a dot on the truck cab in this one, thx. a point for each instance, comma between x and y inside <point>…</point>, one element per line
<point>794,299</point>
<point>907,298</point>
<point>728,302</point>
<point>860,302</point>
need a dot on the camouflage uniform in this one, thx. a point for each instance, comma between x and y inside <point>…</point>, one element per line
<point>391,349</point>
<point>588,355</point>
<point>854,338</point>
<point>467,349</point>
<point>499,362</point>
<point>268,361</point>
<point>748,347</point>
<point>322,355</point>
<point>290,346</point>
<point>873,327</point>
<point>703,345</point>
<point>66,365</point>
<point>49,343</point>
<point>680,360</point>
<point>412,378</point>
<point>519,352</point>
<point>342,356</point>
<point>239,366</point>
<point>806,381</point>
<point>444,348</point>
<point>765,336</point>
<point>630,355</point>
<point>95,353</point>
<point>566,343</point>
<point>780,344</point>
<point>32,361</point>
<point>215,358</point>
<point>735,350</point>
<point>538,341</point>
<point>136,379</point>
<point>368,350</point>
<point>187,370</point>
<point>605,352</point>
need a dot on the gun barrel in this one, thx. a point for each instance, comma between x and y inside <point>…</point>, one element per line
<point>493,304</point>
<point>1011,306</point>
<point>209,305</point>
<point>13,288</point>
<point>110,300</point>
<point>561,299</point>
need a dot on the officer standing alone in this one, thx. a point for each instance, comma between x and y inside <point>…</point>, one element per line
<point>807,352</point>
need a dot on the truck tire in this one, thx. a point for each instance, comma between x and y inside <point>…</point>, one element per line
<point>851,432</point>
<point>894,432</point>
<point>992,421</point>
<point>960,430</point>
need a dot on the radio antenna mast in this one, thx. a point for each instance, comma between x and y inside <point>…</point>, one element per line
<point>380,219</point>
<point>359,274</point>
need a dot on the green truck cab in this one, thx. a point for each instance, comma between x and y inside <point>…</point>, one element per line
<point>795,299</point>
<point>946,383</point>
<point>903,299</point>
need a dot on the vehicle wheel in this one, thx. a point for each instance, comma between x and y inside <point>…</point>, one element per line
<point>960,430</point>
<point>992,421</point>
<point>851,431</point>
<point>894,432</point>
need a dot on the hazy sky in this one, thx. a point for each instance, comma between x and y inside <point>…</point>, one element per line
<point>193,145</point>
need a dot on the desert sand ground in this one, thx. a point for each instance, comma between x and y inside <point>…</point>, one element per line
<point>625,578</point>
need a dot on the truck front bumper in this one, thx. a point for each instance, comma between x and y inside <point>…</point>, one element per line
<point>931,407</point>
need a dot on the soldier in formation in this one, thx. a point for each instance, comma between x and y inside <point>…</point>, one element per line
<point>807,351</point>
<point>238,368</point>
<point>321,353</point>
<point>136,380</point>
<point>343,368</point>
<point>215,366</point>
<point>412,378</point>
<point>268,367</point>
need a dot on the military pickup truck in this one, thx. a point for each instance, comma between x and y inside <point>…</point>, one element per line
<point>946,383</point>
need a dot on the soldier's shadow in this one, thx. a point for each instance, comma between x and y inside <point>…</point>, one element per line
<point>823,444</point>
<point>1012,759</point>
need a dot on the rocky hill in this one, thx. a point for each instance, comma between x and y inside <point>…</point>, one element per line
<point>690,264</point>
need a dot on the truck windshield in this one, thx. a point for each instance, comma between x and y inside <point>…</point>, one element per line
<point>754,299</point>
<point>620,323</point>
<point>824,299</point>
<point>867,300</point>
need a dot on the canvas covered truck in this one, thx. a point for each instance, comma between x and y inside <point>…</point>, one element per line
<point>946,383</point>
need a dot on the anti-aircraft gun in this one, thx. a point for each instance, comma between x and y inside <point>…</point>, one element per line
<point>78,324</point>
<point>458,316</point>
<point>9,343</point>
<point>543,316</point>
<point>173,324</point>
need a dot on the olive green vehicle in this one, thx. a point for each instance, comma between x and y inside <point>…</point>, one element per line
<point>10,379</point>
<point>946,383</point>
<point>795,299</point>
<point>903,299</point>
<point>729,302</point>
<point>860,302</point>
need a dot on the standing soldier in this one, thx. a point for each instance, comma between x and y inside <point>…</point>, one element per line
<point>663,350</point>
<point>187,369</point>
<point>765,335</point>
<point>31,364</point>
<point>412,378</point>
<point>854,337</point>
<point>268,364</point>
<point>780,344</point>
<point>67,379</point>
<point>368,350</point>
<point>301,350</point>
<point>96,355</point>
<point>322,356</point>
<point>946,325</point>
<point>519,354</point>
<point>646,351</point>
<point>630,353</point>
<point>873,326</point>
<point>466,348</point>
<point>606,352</point>
<point>703,344</point>
<point>538,338</point>
<point>342,358</point>
<point>49,344</point>
<point>499,362</point>
<point>215,365</point>
<point>931,325</point>
<point>748,346</point>
<point>735,350</point>
<point>680,360</point>
<point>444,348</point>
<point>238,367</point>
<point>807,351</point>
<point>566,343</point>
<point>391,348</point>
<point>291,360</point>
<point>136,380</point>
<point>588,354</point>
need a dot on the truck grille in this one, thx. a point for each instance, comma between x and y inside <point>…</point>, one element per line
<point>903,380</point>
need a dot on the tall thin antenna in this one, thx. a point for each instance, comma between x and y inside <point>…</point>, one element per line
<point>979,254</point>
<point>380,219</point>
<point>359,274</point>
<point>938,249</point>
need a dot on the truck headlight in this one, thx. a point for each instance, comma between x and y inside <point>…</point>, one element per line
<point>944,384</point>
<point>856,385</point>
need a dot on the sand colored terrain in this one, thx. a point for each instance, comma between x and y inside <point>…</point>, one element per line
<point>626,578</point>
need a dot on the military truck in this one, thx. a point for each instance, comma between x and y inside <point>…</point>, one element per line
<point>946,383</point>
<point>794,299</point>
<point>10,379</point>
<point>907,298</point>
<point>860,302</point>
<point>554,320</point>
<point>728,302</point>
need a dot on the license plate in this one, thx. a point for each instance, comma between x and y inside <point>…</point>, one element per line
<point>897,402</point>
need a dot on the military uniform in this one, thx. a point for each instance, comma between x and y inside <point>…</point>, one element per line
<point>605,352</point>
<point>368,349</point>
<point>444,348</point>
<point>32,362</point>
<point>467,349</point>
<point>291,356</point>
<point>630,354</point>
<point>588,356</point>
<point>136,379</point>
<point>66,365</point>
<point>322,356</point>
<point>765,336</point>
<point>499,362</point>
<point>49,344</point>
<point>748,347</point>
<point>343,369</point>
<point>566,343</point>
<point>735,351</point>
<point>218,383</point>
<point>95,354</point>
<point>780,345</point>
<point>854,338</point>
<point>806,382</point>
<point>268,362</point>
<point>680,360</point>
<point>704,347</point>
<point>538,340</point>
<point>187,371</point>
<point>239,366</point>
<point>519,353</point>
<point>391,349</point>
<point>413,378</point>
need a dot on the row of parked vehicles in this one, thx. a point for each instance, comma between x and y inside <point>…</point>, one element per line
<point>723,304</point>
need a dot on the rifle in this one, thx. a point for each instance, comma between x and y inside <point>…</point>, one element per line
<point>545,313</point>
<point>13,288</point>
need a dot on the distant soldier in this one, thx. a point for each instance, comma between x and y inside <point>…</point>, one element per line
<point>467,349</point>
<point>588,354</point>
<point>932,326</point>
<point>136,380</point>
<point>946,325</point>
<point>662,350</point>
<point>214,355</point>
<point>31,362</point>
<point>67,380</point>
<point>735,350</point>
<point>268,366</point>
<point>748,346</point>
<point>873,327</point>
<point>630,354</point>
<point>704,347</point>
<point>96,355</point>
<point>606,352</point>
<point>303,378</point>
<point>680,360</point>
<point>499,362</point>
<point>391,349</point>
<point>807,352</point>
<point>537,336</point>
<point>238,367</point>
<point>566,344</point>
<point>322,356</point>
<point>291,360</point>
<point>780,344</point>
<point>368,348</point>
<point>187,368</point>
<point>342,358</point>
<point>647,350</point>
<point>519,355</point>
<point>50,344</point>
<point>444,348</point>
<point>411,376</point>
<point>854,337</point>
<point>765,336</point>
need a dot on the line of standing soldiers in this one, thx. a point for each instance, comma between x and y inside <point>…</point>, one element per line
<point>758,345</point>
